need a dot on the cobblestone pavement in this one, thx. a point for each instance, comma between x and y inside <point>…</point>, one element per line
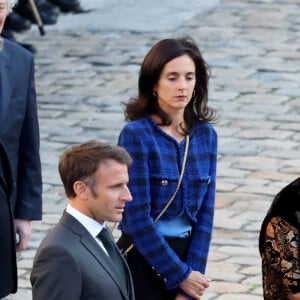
<point>253,49</point>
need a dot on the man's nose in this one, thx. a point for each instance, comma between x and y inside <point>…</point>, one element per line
<point>127,194</point>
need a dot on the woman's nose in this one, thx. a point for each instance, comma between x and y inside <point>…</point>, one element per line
<point>181,85</point>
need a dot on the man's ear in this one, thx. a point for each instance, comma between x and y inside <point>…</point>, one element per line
<point>81,190</point>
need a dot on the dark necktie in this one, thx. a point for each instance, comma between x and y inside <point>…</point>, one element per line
<point>111,248</point>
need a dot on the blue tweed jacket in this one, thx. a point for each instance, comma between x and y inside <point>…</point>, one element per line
<point>157,160</point>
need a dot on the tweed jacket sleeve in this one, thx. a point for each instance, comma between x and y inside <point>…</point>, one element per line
<point>202,231</point>
<point>157,156</point>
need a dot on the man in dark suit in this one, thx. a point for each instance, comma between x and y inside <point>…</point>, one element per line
<point>79,259</point>
<point>19,149</point>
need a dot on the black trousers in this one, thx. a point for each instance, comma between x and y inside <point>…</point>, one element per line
<point>8,267</point>
<point>147,284</point>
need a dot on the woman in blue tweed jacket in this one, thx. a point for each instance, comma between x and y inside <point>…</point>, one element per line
<point>169,257</point>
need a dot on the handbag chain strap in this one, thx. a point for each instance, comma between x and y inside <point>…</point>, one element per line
<point>175,193</point>
<point>179,181</point>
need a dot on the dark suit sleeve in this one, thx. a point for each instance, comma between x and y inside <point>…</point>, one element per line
<point>29,181</point>
<point>55,275</point>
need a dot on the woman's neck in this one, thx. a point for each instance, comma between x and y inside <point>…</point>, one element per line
<point>175,129</point>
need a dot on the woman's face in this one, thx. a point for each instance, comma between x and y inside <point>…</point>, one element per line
<point>176,84</point>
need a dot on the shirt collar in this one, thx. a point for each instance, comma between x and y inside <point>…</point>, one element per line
<point>92,226</point>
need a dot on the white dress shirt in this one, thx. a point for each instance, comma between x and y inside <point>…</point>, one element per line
<point>92,226</point>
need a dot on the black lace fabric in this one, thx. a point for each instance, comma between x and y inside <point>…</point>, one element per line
<point>280,260</point>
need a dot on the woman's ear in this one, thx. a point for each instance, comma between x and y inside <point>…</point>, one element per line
<point>81,190</point>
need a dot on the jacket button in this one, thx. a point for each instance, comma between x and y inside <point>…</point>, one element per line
<point>164,182</point>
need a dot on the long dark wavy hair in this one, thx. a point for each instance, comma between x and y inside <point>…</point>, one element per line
<point>158,56</point>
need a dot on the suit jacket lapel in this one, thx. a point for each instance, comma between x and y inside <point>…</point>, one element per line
<point>91,245</point>
<point>5,69</point>
<point>104,260</point>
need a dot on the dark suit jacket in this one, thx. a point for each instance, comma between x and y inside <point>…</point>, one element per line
<point>19,135</point>
<point>19,129</point>
<point>69,264</point>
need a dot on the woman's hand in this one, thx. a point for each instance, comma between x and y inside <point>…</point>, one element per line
<point>195,285</point>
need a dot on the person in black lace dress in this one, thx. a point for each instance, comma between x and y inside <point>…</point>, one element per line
<point>279,245</point>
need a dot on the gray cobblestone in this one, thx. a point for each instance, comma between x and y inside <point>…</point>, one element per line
<point>84,73</point>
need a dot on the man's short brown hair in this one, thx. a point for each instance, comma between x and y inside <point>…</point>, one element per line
<point>80,162</point>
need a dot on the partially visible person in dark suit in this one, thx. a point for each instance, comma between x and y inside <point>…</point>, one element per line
<point>19,144</point>
<point>279,245</point>
<point>79,259</point>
